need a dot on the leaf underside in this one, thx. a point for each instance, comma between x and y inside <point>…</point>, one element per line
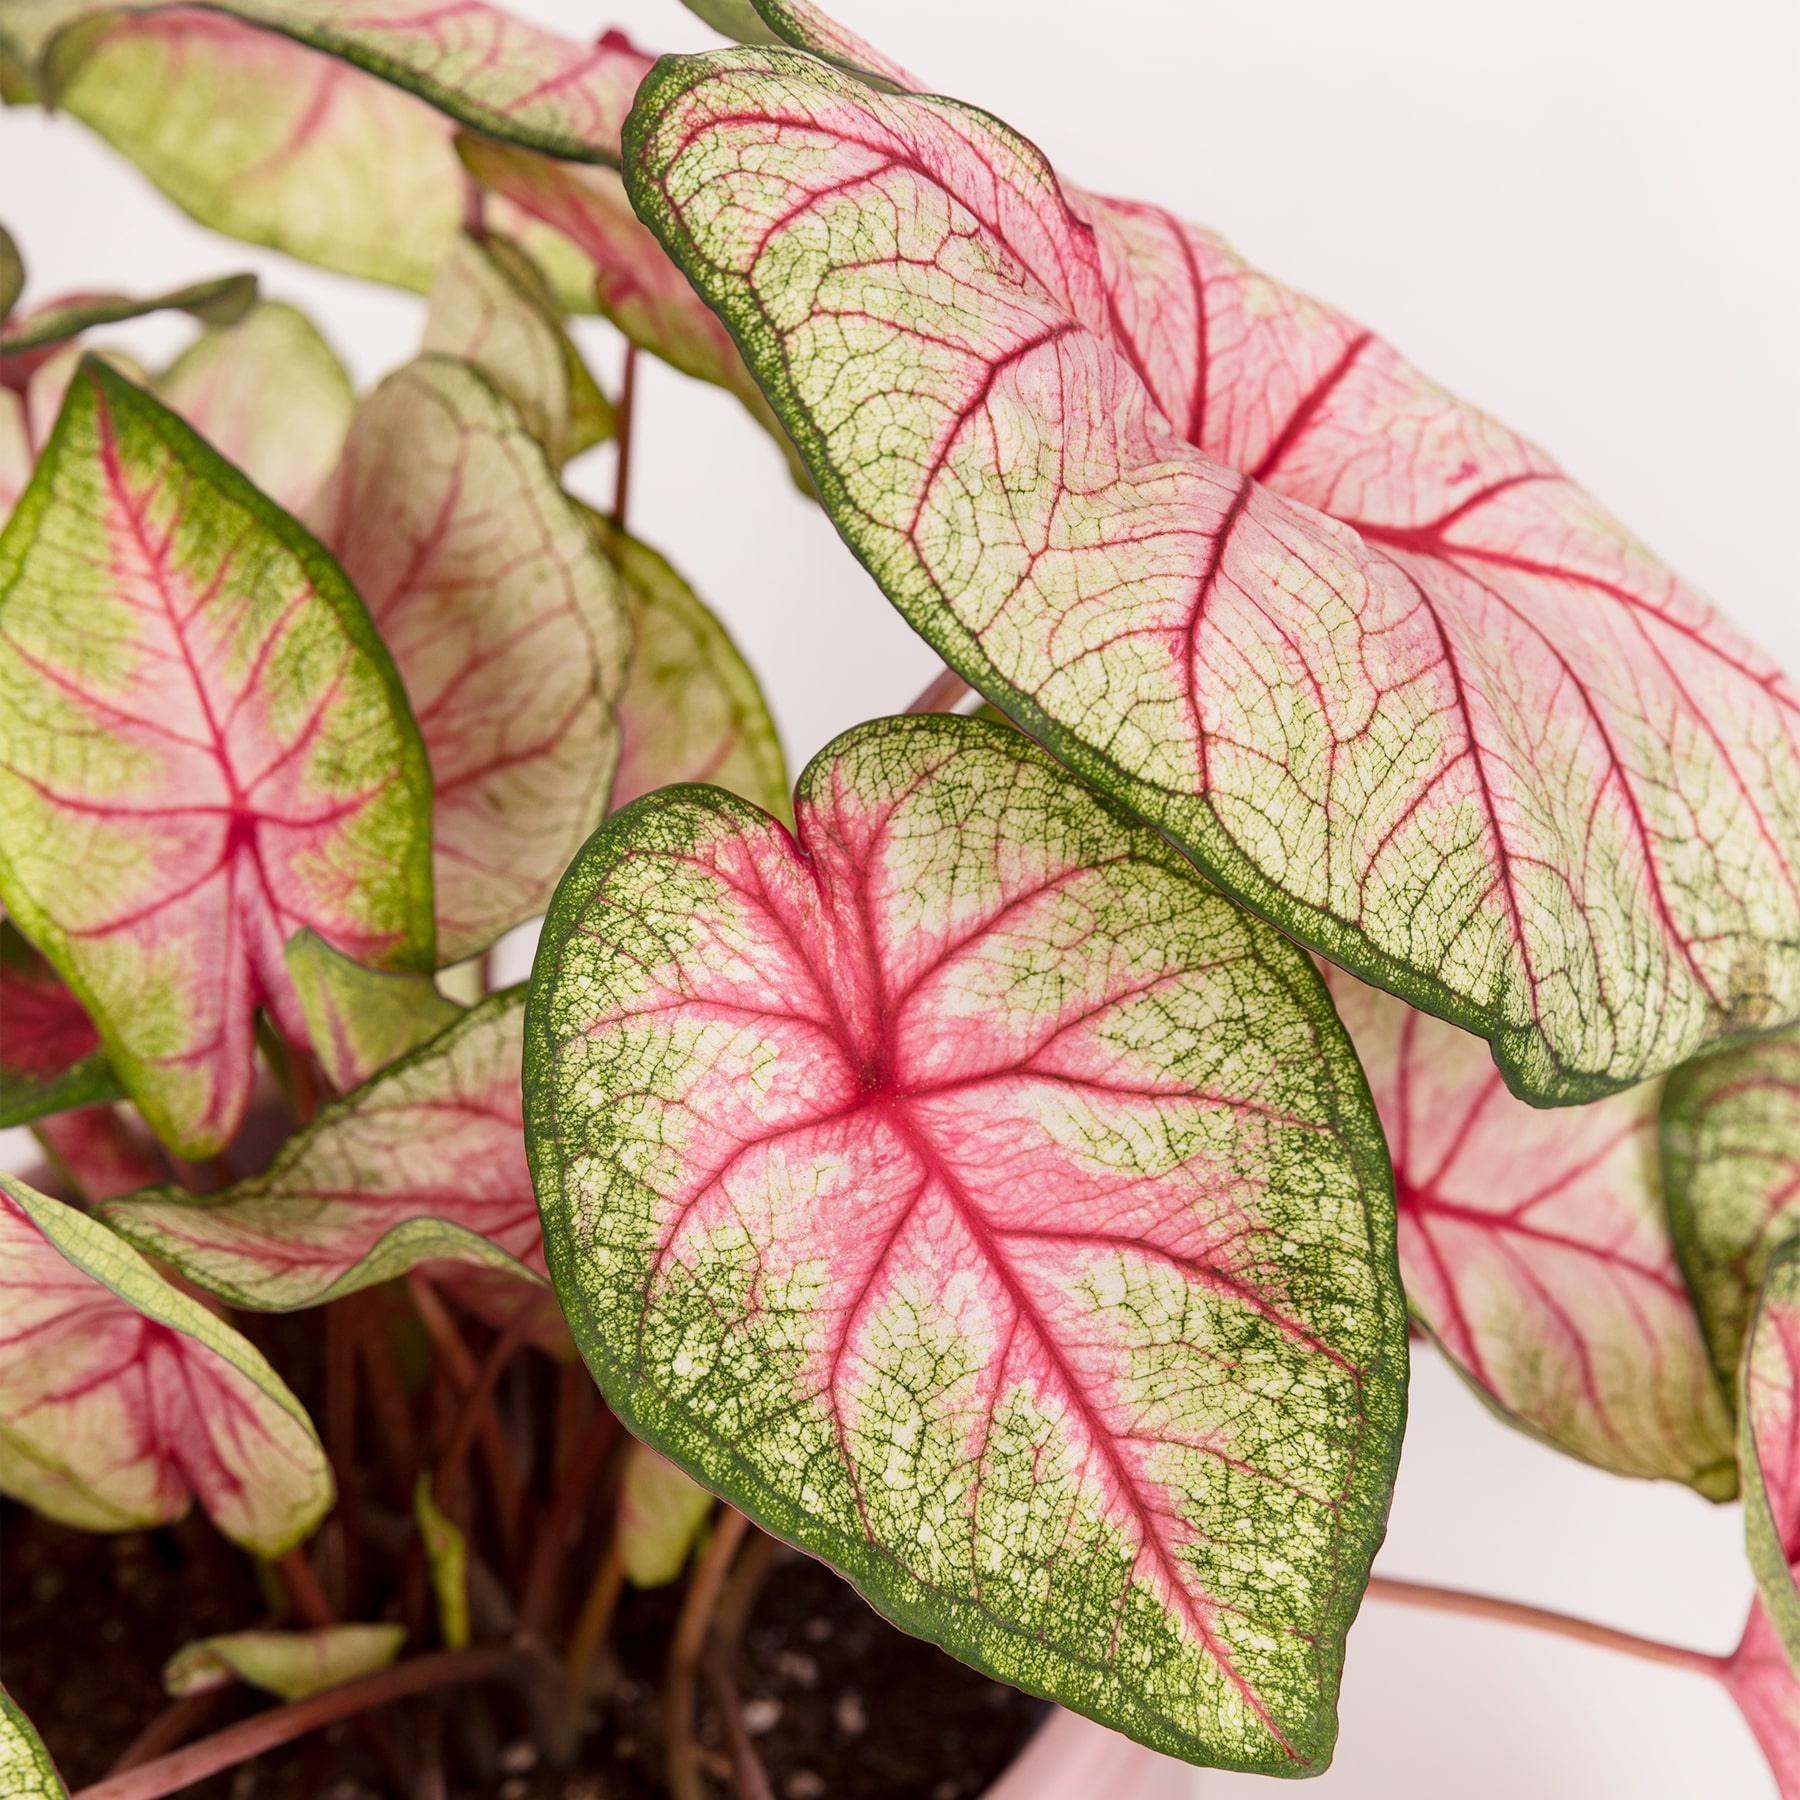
<point>1761,1680</point>
<point>1367,656</point>
<point>218,302</point>
<point>1769,1444</point>
<point>121,1397</point>
<point>203,748</point>
<point>508,626</point>
<point>1535,1248</point>
<point>1731,1152</point>
<point>425,1163</point>
<point>984,1203</point>
<point>51,1059</point>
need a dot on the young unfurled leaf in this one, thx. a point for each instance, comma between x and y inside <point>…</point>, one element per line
<point>360,1020</point>
<point>1731,1151</point>
<point>800,23</point>
<point>635,284</point>
<point>291,1664</point>
<point>508,626</point>
<point>269,396</point>
<point>100,1152</point>
<point>976,1197</point>
<point>220,302</point>
<point>661,1511</point>
<point>1454,728</point>
<point>735,19</point>
<point>26,1771</point>
<point>691,710</point>
<point>424,1163</point>
<point>1535,1247</point>
<point>1769,1443</point>
<point>1760,1678</point>
<point>121,1398</point>
<point>492,309</point>
<point>12,274</point>
<point>203,747</point>
<point>50,1054</point>
<point>447,1558</point>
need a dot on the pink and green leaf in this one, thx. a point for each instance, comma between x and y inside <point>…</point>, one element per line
<point>492,308</point>
<point>425,1163</point>
<point>508,626</point>
<point>100,1152</point>
<point>1769,1444</point>
<point>1760,1678</point>
<point>361,1019</point>
<point>203,747</point>
<point>288,1664</point>
<point>122,1399</point>
<point>16,452</point>
<point>218,302</point>
<point>1247,570</point>
<point>26,1771</point>
<point>268,394</point>
<point>981,1201</point>
<point>1535,1248</point>
<point>635,284</point>
<point>1731,1152</point>
<point>51,1058</point>
<point>691,710</point>
<point>661,1513</point>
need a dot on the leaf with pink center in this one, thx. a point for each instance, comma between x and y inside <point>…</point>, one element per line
<point>492,309</point>
<point>1365,655</point>
<point>424,1163</point>
<point>26,1771</point>
<point>1535,1248</point>
<point>691,710</point>
<point>100,1152</point>
<point>268,394</point>
<point>507,624</point>
<point>123,1399</point>
<point>980,1200</point>
<point>50,1058</point>
<point>1731,1149</point>
<point>203,748</point>
<point>1769,1443</point>
<point>635,284</point>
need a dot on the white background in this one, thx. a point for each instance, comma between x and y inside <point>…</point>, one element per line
<point>1584,214</point>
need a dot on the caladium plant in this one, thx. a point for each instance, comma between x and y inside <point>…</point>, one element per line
<point>987,1168</point>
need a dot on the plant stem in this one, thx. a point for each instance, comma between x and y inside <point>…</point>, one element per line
<point>1538,1618</point>
<point>476,1400</point>
<point>941,693</point>
<point>282,1724</point>
<point>748,1775</point>
<point>622,430</point>
<point>166,1730</point>
<point>685,1648</point>
<point>595,1615</point>
<point>303,1591</point>
<point>539,1603</point>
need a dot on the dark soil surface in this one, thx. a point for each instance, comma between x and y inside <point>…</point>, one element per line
<point>840,1704</point>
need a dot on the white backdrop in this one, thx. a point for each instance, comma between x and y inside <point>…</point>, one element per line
<point>1580,213</point>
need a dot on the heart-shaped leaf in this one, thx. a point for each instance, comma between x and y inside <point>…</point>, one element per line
<point>1364,654</point>
<point>26,1771</point>
<point>121,1398</point>
<point>508,625</point>
<point>51,1058</point>
<point>492,309</point>
<point>635,284</point>
<point>1731,1149</point>
<point>1761,1680</point>
<point>203,747</point>
<point>290,1664</point>
<point>219,302</point>
<point>1536,1249</point>
<point>691,710</point>
<point>979,1199</point>
<point>424,1163</point>
<point>1769,1443</point>
<point>360,1020</point>
<point>269,396</point>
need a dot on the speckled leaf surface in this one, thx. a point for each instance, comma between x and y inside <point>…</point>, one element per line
<point>635,284</point>
<point>979,1199</point>
<point>360,1019</point>
<point>426,1162</point>
<point>691,710</point>
<point>268,394</point>
<point>217,302</point>
<point>491,308</point>
<point>1769,1443</point>
<point>1536,1249</point>
<point>1731,1150</point>
<point>1761,1680</point>
<point>26,1771</point>
<point>1365,654</point>
<point>203,747</point>
<point>508,626</point>
<point>121,1398</point>
<point>50,1054</point>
